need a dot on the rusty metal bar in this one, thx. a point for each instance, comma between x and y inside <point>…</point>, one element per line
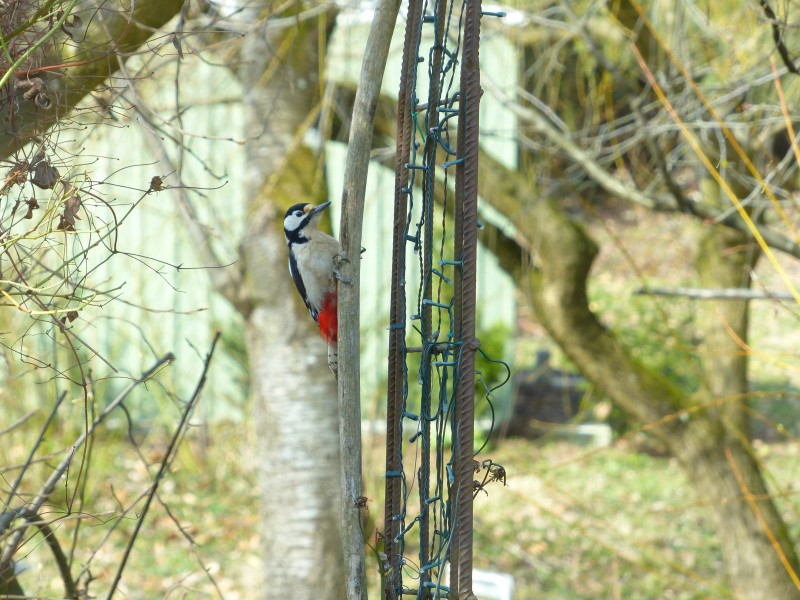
<point>394,409</point>
<point>467,188</point>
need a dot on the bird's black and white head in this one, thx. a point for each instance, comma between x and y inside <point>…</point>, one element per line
<point>300,220</point>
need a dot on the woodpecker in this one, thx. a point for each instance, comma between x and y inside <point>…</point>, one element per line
<point>312,263</point>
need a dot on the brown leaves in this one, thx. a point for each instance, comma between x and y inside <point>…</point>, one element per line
<point>45,175</point>
<point>493,472</point>
<point>32,204</point>
<point>156,184</point>
<point>17,175</point>
<point>71,22</point>
<point>34,88</point>
<point>69,317</point>
<point>71,207</point>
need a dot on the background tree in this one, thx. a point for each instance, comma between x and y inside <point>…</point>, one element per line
<point>608,133</point>
<point>293,390</point>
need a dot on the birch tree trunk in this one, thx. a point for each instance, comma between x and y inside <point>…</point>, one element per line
<point>294,393</point>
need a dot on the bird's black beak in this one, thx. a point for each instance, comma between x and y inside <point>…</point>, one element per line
<point>313,210</point>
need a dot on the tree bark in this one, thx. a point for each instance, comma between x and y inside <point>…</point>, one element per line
<point>729,471</point>
<point>294,393</point>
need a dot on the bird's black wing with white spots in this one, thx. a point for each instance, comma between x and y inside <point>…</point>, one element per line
<point>301,287</point>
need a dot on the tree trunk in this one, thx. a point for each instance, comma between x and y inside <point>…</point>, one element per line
<point>715,459</point>
<point>298,449</point>
<point>294,393</point>
<point>119,32</point>
<point>728,472</point>
<point>754,566</point>
<point>713,440</point>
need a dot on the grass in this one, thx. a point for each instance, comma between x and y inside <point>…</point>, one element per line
<point>612,523</point>
<point>596,525</point>
<point>572,523</point>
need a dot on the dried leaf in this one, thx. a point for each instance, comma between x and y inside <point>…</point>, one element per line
<point>42,100</point>
<point>71,316</point>
<point>17,175</point>
<point>70,22</point>
<point>32,204</point>
<point>45,175</point>
<point>156,184</point>
<point>71,207</point>
<point>176,41</point>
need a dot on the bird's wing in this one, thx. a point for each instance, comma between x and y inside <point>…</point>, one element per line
<point>301,287</point>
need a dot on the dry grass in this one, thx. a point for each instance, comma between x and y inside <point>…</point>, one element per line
<point>572,523</point>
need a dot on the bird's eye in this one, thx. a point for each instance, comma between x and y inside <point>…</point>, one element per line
<point>298,213</point>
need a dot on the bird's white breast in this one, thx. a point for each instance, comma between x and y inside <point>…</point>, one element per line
<point>315,262</point>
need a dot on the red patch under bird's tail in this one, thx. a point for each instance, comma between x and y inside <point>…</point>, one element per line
<point>328,319</point>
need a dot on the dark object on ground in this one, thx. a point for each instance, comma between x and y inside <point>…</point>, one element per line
<point>544,398</point>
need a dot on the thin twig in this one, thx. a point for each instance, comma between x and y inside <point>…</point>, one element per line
<point>166,461</point>
<point>32,453</point>
<point>62,467</point>
<point>760,517</point>
<point>32,518</point>
<point>18,422</point>
<point>777,35</point>
<point>610,184</point>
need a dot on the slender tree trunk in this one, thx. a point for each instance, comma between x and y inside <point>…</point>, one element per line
<point>294,393</point>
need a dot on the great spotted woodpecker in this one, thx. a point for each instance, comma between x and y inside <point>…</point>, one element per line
<point>312,263</point>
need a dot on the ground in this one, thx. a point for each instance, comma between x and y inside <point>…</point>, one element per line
<point>572,523</point>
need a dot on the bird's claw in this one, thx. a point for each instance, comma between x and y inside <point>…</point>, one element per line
<point>338,261</point>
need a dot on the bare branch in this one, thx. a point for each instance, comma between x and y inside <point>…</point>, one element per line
<point>32,518</point>
<point>62,467</point>
<point>707,294</point>
<point>777,35</point>
<point>18,422</point>
<point>613,186</point>
<point>166,461</point>
<point>601,175</point>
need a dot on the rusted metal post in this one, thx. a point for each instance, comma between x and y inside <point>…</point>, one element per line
<point>397,310</point>
<point>467,205</point>
<point>429,344</point>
